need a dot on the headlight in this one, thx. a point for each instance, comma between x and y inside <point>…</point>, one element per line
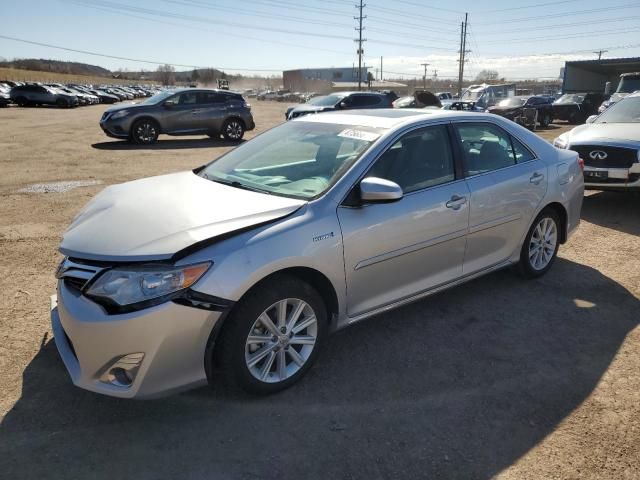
<point>119,114</point>
<point>560,142</point>
<point>126,286</point>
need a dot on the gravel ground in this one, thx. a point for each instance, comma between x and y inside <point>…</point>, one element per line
<point>500,377</point>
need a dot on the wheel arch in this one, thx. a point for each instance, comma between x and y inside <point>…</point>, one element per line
<point>561,211</point>
<point>145,116</point>
<point>318,280</point>
<point>234,116</point>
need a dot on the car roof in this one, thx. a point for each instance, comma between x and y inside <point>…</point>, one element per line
<point>390,117</point>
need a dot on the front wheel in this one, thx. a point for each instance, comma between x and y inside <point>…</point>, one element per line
<point>540,245</point>
<point>272,336</point>
<point>233,129</point>
<point>145,132</point>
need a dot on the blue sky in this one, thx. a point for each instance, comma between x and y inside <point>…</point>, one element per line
<point>527,38</point>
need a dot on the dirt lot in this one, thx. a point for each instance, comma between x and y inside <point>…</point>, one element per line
<point>500,377</point>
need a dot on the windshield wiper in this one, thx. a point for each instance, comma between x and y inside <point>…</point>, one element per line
<point>237,184</point>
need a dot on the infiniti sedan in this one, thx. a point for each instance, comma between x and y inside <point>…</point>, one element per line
<point>239,269</point>
<point>610,146</point>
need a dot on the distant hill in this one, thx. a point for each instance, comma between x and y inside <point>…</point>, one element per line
<point>56,66</point>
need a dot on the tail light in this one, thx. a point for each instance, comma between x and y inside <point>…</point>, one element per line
<point>581,163</point>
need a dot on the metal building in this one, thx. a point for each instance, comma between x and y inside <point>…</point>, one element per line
<point>593,75</point>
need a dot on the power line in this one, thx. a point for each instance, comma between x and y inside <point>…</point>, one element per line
<point>533,5</point>
<point>190,27</point>
<point>561,25</point>
<point>592,33</point>
<point>153,62</point>
<point>563,14</point>
<point>191,18</point>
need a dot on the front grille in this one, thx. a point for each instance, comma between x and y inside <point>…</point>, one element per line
<point>617,157</point>
<point>75,283</point>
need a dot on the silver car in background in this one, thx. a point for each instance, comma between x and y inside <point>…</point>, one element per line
<point>239,269</point>
<point>609,144</point>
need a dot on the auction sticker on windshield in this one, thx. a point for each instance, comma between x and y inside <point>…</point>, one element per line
<point>359,134</point>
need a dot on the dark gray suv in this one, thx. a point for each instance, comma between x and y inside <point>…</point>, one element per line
<point>34,94</point>
<point>185,111</point>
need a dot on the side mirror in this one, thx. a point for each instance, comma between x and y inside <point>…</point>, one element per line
<point>379,190</point>
<point>169,104</point>
<point>591,119</point>
<point>343,105</point>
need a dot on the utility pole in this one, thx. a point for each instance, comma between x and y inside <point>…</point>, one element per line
<point>359,29</point>
<point>381,77</point>
<point>463,52</point>
<point>424,77</point>
<point>435,74</point>
<point>600,52</point>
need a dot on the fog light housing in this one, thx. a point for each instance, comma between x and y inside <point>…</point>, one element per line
<point>122,372</point>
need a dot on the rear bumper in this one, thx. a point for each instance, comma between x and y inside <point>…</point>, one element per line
<point>172,338</point>
<point>616,178</point>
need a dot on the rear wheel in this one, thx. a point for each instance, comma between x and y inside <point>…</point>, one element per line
<point>61,103</point>
<point>541,245</point>
<point>546,120</point>
<point>272,337</point>
<point>22,101</point>
<point>145,132</point>
<point>233,129</point>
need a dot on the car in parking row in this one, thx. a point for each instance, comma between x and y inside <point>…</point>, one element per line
<point>185,111</point>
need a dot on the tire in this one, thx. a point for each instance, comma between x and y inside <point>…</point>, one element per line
<point>233,130</point>
<point>22,101</point>
<point>278,364</point>
<point>61,103</point>
<point>145,132</point>
<point>546,120</point>
<point>541,244</point>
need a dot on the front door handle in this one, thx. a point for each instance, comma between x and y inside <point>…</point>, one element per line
<point>536,178</point>
<point>456,202</point>
<point>193,112</point>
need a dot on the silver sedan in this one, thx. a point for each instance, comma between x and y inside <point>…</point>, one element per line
<point>240,269</point>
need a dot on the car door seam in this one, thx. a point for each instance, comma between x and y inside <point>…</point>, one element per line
<point>410,249</point>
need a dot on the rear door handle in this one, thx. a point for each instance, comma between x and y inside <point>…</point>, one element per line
<point>536,178</point>
<point>456,202</point>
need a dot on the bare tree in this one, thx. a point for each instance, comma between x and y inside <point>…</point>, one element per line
<point>165,74</point>
<point>487,75</point>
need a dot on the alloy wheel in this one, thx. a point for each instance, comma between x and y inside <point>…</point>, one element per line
<point>281,340</point>
<point>234,130</point>
<point>542,245</point>
<point>145,132</point>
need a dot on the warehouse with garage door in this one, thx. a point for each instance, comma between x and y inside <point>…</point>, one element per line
<point>593,75</point>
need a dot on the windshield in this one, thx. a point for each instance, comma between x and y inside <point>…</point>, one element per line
<point>628,85</point>
<point>624,111</point>
<point>297,159</point>
<point>157,98</point>
<point>472,96</point>
<point>328,101</point>
<point>570,98</point>
<point>511,102</point>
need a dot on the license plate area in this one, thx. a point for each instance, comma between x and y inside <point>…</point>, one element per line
<point>595,175</point>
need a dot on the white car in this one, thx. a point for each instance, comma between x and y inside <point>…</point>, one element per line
<point>609,144</point>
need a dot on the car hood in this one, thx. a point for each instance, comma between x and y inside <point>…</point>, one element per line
<point>311,108</point>
<point>153,218</point>
<point>124,106</point>
<point>615,132</point>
